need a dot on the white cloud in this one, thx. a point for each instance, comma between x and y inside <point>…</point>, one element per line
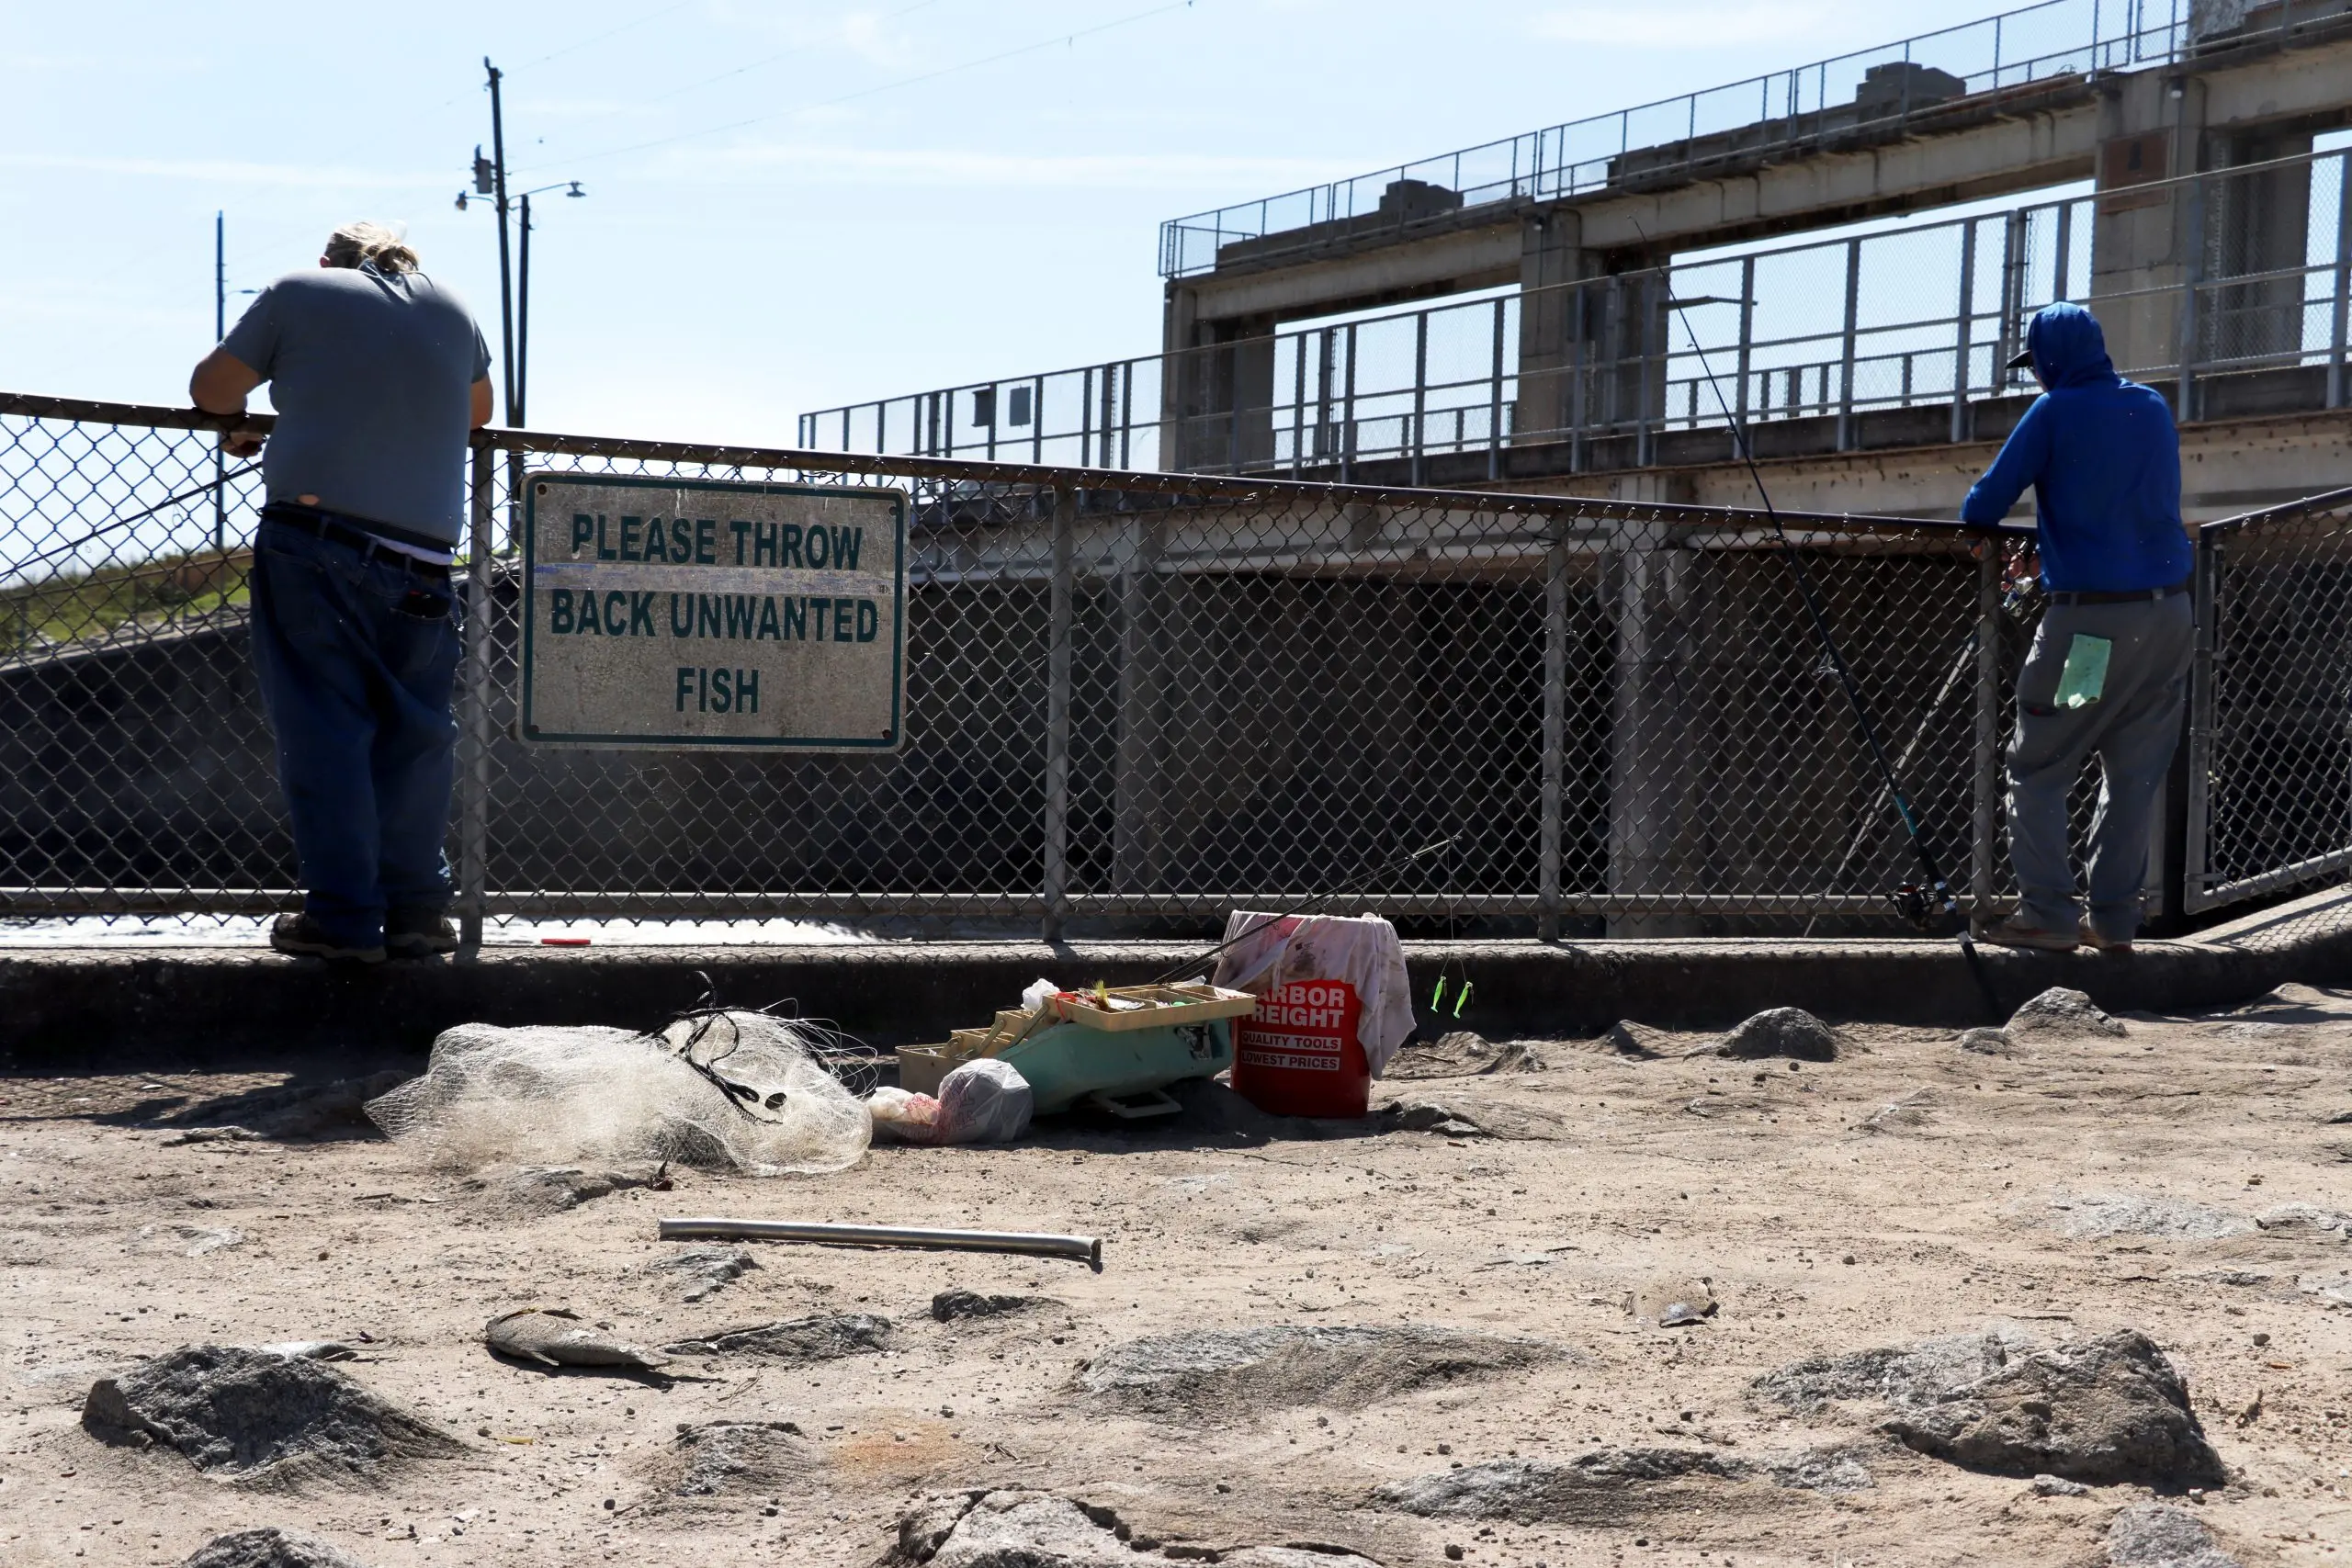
<point>1705,24</point>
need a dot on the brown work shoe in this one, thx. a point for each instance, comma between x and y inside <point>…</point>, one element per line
<point>2019,931</point>
<point>2090,938</point>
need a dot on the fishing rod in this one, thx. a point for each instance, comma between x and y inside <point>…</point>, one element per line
<point>1913,903</point>
<point>1343,891</point>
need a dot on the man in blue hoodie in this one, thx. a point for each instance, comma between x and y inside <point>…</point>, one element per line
<point>2109,662</point>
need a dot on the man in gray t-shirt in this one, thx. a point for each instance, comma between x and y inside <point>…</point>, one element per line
<point>377,374</point>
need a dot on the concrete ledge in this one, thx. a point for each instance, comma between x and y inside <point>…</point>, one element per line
<point>71,1004</point>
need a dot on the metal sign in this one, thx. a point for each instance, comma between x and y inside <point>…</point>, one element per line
<point>692,613</point>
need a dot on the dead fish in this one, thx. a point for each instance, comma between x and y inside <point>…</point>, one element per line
<point>313,1350</point>
<point>554,1338</point>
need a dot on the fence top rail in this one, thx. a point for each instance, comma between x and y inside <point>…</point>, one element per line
<point>1180,487</point>
<point>2326,500</point>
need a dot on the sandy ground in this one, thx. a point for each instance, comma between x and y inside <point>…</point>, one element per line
<point>1825,1222</point>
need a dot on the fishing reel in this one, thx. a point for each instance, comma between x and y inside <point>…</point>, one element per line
<point>1915,904</point>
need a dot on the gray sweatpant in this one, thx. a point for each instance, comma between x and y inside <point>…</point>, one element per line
<point>2133,727</point>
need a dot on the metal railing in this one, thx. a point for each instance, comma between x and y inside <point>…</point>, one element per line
<point>1138,697</point>
<point>1924,316</point>
<point>1993,66</point>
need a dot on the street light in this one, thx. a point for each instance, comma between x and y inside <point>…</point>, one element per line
<point>522,304</point>
<point>485,183</point>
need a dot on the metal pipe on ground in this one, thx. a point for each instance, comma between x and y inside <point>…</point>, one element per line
<point>1087,1249</point>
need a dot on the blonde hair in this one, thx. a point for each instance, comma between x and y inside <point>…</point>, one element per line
<point>361,243</point>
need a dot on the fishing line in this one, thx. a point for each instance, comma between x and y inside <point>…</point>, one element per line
<point>1911,902</point>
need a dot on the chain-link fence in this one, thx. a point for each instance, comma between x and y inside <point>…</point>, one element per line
<point>2271,751</point>
<point>1132,701</point>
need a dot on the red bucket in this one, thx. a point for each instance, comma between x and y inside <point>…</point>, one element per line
<point>1298,1055</point>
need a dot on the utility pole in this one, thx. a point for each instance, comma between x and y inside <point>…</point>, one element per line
<point>220,330</point>
<point>515,416</point>
<point>505,275</point>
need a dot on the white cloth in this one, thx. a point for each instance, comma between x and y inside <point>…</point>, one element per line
<point>1361,949</point>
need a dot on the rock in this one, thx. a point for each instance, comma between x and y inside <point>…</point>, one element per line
<point>239,1410</point>
<point>2159,1535</point>
<point>822,1338</point>
<point>1909,1110</point>
<point>717,1459</point>
<point>2334,1288</point>
<point>2061,1014</point>
<point>2052,1486</point>
<point>1784,1032</point>
<point>552,1188</point>
<point>1588,1489</point>
<point>701,1271</point>
<point>188,1241</point>
<point>949,1305</point>
<point>1224,1373</point>
<point>1018,1528</point>
<point>2133,1214</point>
<point>2305,1221</point>
<point>1902,1376</point>
<point>1630,1039</point>
<point>1988,1041</point>
<point>269,1548</point>
<point>2105,1411</point>
<point>1428,1116</point>
<point>1830,1471</point>
<point>1463,1054</point>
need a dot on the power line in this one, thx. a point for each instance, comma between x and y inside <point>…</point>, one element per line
<point>615,32</point>
<point>1070,38</point>
<point>771,59</point>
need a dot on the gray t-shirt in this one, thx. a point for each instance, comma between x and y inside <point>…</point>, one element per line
<point>370,373</point>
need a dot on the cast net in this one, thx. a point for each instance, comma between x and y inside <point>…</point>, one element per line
<point>719,1090</point>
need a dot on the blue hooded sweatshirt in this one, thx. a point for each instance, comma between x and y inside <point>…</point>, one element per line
<point>2104,462</point>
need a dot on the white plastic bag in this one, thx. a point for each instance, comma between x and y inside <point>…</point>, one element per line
<point>909,1118</point>
<point>1039,993</point>
<point>986,1101</point>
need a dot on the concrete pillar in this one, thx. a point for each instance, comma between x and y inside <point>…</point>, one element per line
<point>2258,223</point>
<point>1549,325</point>
<point>2142,249</point>
<point>1216,388</point>
<point>1654,785</point>
<point>1135,804</point>
<point>2150,246</point>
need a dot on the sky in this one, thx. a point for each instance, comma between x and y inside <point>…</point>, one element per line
<point>791,204</point>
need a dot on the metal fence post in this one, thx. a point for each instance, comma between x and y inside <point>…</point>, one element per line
<point>1746,349</point>
<point>1348,413</point>
<point>1961,350</point>
<point>1846,348</point>
<point>1420,388</point>
<point>1555,717</point>
<point>1575,380</point>
<point>1495,398</point>
<point>2191,274</point>
<point>473,777</point>
<point>2342,279</point>
<point>1984,770</point>
<point>2196,850</point>
<point>1056,879</point>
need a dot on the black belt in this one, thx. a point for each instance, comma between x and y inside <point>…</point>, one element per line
<point>2133,596</point>
<point>369,548</point>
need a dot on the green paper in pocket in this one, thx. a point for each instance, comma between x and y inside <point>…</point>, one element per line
<point>2085,676</point>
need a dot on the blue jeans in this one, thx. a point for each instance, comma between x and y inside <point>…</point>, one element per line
<point>357,660</point>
